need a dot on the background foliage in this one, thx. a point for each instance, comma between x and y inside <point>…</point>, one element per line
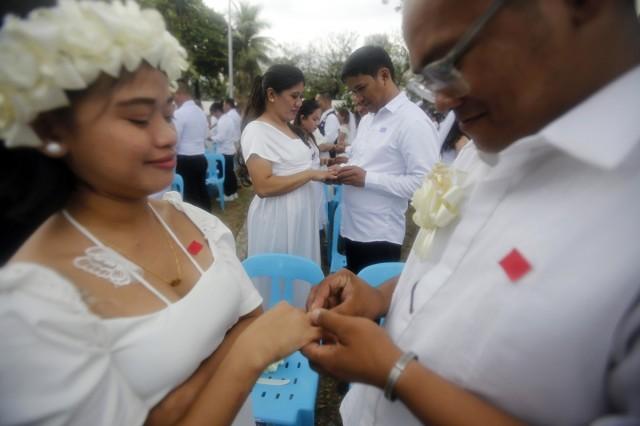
<point>203,32</point>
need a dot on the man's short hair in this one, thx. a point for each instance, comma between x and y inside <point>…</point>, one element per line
<point>367,60</point>
<point>184,88</point>
<point>215,107</point>
<point>231,102</point>
<point>326,96</point>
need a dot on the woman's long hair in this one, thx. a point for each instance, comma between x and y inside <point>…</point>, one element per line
<point>278,77</point>
<point>306,109</point>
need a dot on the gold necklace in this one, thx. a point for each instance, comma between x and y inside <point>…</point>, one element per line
<point>172,283</point>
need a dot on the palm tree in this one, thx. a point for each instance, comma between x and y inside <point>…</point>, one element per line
<point>251,50</point>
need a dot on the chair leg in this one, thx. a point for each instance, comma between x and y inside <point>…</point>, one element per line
<point>221,196</point>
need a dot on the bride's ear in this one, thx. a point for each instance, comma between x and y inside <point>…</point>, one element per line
<point>50,132</point>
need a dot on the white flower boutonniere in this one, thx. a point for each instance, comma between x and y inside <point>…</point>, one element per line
<point>436,203</point>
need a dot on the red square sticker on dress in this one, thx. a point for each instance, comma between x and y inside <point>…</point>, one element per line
<point>515,265</point>
<point>194,247</point>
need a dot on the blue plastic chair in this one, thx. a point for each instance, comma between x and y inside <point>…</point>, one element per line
<point>333,200</point>
<point>215,175</point>
<point>337,195</point>
<point>282,267</point>
<point>338,260</point>
<point>290,399</point>
<point>178,184</point>
<point>378,273</point>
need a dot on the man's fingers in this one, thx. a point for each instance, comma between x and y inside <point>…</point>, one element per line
<point>311,299</point>
<point>329,321</point>
<point>319,355</point>
<point>345,174</point>
<point>318,297</point>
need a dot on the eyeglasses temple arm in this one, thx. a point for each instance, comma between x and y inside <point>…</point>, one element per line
<point>471,33</point>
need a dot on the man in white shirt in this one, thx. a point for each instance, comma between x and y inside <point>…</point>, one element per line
<point>527,306</point>
<point>395,146</point>
<point>329,124</point>
<point>227,138</point>
<point>192,129</point>
<point>229,107</point>
<point>215,111</point>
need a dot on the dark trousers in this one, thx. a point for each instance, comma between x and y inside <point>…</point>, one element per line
<point>361,254</point>
<point>193,169</point>
<point>230,180</point>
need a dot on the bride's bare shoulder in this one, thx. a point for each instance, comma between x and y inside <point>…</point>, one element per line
<point>52,242</point>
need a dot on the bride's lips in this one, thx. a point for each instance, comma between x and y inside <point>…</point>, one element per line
<point>168,162</point>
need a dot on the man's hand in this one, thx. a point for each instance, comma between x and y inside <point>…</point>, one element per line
<point>352,175</point>
<point>361,351</point>
<point>346,293</point>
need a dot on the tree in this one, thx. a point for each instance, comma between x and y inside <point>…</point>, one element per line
<point>321,63</point>
<point>250,49</point>
<point>202,32</point>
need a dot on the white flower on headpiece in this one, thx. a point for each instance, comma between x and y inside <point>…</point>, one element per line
<point>66,48</point>
<point>436,203</point>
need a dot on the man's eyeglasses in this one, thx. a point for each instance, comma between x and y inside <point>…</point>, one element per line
<point>442,75</point>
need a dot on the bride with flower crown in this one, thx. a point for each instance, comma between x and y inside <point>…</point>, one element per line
<point>117,309</point>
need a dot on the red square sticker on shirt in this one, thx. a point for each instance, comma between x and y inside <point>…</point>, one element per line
<point>515,265</point>
<point>194,248</point>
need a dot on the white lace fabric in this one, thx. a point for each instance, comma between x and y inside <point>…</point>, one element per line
<point>108,264</point>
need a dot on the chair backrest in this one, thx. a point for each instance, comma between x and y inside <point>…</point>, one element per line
<point>282,267</point>
<point>178,183</point>
<point>337,260</point>
<point>335,230</point>
<point>337,195</point>
<point>380,272</point>
<point>213,172</point>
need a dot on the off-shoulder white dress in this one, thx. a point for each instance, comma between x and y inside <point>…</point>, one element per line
<point>62,364</point>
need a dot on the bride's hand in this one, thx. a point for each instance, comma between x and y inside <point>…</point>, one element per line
<point>277,333</point>
<point>324,175</point>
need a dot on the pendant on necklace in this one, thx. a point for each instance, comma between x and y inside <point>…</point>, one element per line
<point>175,282</point>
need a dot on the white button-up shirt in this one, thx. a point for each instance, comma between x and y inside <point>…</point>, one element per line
<point>331,125</point>
<point>191,127</point>
<point>237,124</point>
<point>396,147</point>
<point>227,134</point>
<point>558,342</point>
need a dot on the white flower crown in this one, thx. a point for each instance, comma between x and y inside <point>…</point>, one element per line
<point>67,47</point>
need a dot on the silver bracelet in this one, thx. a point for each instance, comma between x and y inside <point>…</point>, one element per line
<point>396,372</point>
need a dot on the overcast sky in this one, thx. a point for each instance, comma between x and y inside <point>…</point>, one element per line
<point>305,21</point>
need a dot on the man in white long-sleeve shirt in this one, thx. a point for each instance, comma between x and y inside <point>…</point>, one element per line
<point>226,138</point>
<point>192,129</point>
<point>395,147</point>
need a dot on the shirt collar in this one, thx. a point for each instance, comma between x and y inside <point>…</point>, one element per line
<point>604,128</point>
<point>395,103</point>
<point>326,113</point>
<point>188,102</point>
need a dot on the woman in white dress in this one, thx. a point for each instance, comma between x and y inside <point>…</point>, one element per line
<point>117,310</point>
<point>307,120</point>
<point>282,217</point>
